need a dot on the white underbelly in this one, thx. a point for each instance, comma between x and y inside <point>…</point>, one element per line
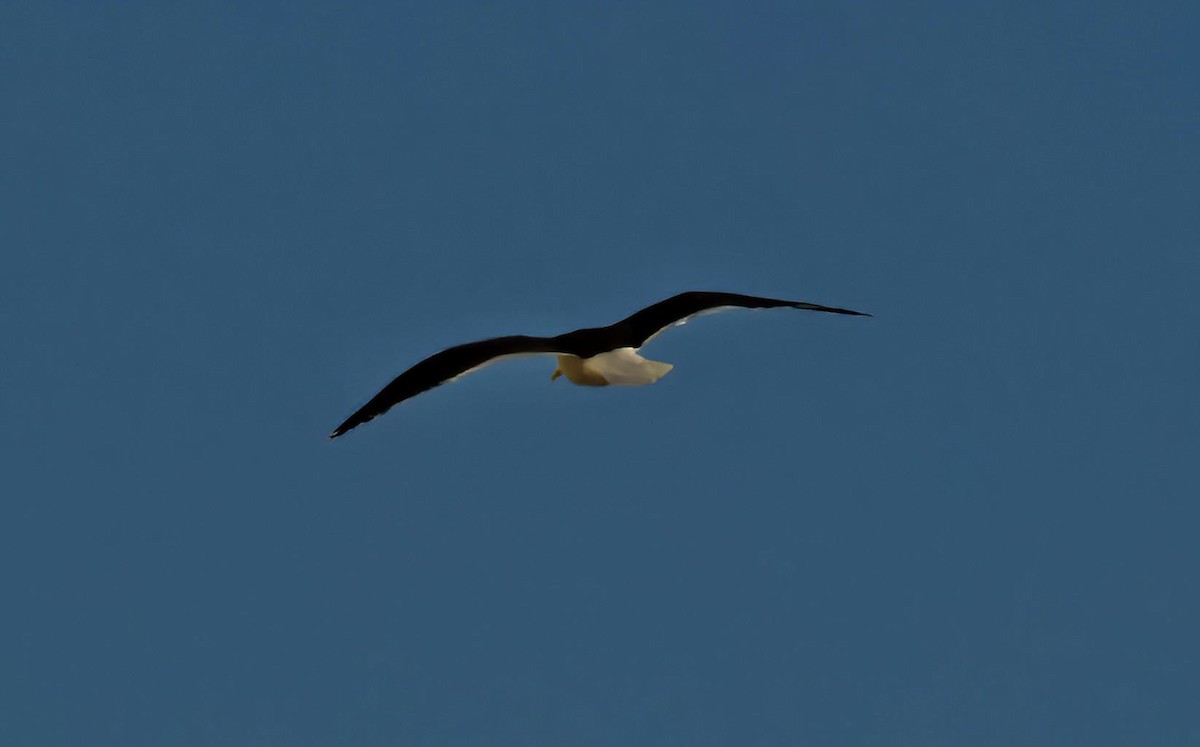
<point>624,367</point>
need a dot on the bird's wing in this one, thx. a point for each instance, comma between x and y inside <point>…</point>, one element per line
<point>637,329</point>
<point>439,368</point>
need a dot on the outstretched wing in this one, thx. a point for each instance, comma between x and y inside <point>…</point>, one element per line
<point>638,328</point>
<point>441,367</point>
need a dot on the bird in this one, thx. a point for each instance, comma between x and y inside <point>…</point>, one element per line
<point>594,356</point>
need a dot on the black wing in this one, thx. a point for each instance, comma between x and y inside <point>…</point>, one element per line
<point>635,330</point>
<point>441,367</point>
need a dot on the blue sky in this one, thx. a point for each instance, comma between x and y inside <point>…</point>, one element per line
<point>968,520</point>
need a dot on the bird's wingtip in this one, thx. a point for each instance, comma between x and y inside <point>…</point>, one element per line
<point>805,305</point>
<point>849,312</point>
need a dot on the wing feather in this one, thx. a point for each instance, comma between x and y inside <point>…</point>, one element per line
<point>638,328</point>
<point>439,368</point>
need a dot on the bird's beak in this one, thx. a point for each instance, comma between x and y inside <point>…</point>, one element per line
<point>556,374</point>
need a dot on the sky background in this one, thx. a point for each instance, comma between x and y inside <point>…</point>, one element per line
<point>971,519</point>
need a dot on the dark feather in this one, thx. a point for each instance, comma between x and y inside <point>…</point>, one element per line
<point>634,330</point>
<point>439,368</point>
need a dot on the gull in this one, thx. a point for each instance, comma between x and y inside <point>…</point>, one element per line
<point>594,356</point>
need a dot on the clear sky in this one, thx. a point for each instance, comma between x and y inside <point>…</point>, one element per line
<point>969,520</point>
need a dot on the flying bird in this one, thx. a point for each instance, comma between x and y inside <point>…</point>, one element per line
<point>596,356</point>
